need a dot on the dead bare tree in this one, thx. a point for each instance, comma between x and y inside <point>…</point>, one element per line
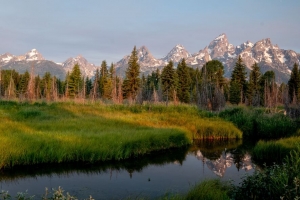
<point>120,92</point>
<point>30,93</point>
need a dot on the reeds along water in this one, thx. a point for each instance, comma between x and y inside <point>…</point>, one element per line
<point>270,152</point>
<point>256,124</point>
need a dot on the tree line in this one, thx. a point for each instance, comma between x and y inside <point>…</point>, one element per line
<point>206,87</point>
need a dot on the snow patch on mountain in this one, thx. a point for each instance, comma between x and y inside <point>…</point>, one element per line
<point>33,55</point>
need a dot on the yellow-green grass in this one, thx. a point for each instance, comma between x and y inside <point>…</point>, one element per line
<point>68,132</point>
<point>275,151</point>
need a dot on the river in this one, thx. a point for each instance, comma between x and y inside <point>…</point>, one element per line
<point>151,176</point>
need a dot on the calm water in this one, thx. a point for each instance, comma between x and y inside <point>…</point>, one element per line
<point>152,176</point>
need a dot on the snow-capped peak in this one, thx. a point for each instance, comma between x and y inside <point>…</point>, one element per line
<point>220,37</point>
<point>177,53</point>
<point>5,58</point>
<point>33,55</point>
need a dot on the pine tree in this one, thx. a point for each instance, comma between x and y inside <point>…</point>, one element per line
<point>254,86</point>
<point>24,79</point>
<point>234,93</point>
<point>131,83</point>
<point>184,81</point>
<point>266,85</point>
<point>168,81</point>
<point>103,77</point>
<point>294,84</point>
<point>46,86</point>
<point>239,77</point>
<point>74,82</point>
<point>88,86</point>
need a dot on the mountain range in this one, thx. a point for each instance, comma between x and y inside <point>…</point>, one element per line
<point>266,54</point>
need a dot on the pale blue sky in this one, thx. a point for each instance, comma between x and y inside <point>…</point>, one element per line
<point>108,30</point>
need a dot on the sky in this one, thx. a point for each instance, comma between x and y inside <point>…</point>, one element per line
<point>108,30</point>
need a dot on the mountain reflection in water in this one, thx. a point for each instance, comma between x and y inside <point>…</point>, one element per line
<point>225,161</point>
<point>152,175</point>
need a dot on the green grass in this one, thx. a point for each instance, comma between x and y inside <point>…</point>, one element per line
<point>256,124</point>
<point>209,190</point>
<point>274,151</point>
<point>67,132</point>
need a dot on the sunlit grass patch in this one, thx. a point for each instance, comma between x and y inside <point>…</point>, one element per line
<point>67,132</point>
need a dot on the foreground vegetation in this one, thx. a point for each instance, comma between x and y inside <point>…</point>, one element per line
<point>69,132</point>
<point>275,150</point>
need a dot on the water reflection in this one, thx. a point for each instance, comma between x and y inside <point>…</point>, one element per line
<point>225,161</point>
<point>152,175</point>
<point>130,165</point>
<point>221,155</point>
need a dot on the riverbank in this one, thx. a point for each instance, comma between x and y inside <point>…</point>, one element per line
<point>69,132</point>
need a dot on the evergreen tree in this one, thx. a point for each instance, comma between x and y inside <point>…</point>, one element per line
<point>184,81</point>
<point>88,86</point>
<point>253,91</point>
<point>37,82</point>
<point>214,73</point>
<point>46,85</point>
<point>103,77</point>
<point>131,83</point>
<point>234,93</point>
<point>266,85</point>
<point>168,81</point>
<point>24,79</point>
<point>75,82</point>
<point>294,84</point>
<point>239,77</point>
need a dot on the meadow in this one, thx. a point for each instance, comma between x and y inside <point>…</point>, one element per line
<point>71,132</point>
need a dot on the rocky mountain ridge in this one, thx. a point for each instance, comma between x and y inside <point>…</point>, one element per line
<point>22,63</point>
<point>267,55</point>
<point>263,52</point>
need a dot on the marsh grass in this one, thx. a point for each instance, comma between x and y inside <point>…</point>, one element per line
<point>274,151</point>
<point>256,124</point>
<point>67,132</point>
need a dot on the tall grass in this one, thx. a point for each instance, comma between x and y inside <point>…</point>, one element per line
<point>256,124</point>
<point>274,151</point>
<point>67,132</point>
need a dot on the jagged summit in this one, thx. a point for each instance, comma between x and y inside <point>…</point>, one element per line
<point>176,54</point>
<point>33,55</point>
<point>221,37</point>
<point>267,55</point>
<point>86,68</point>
